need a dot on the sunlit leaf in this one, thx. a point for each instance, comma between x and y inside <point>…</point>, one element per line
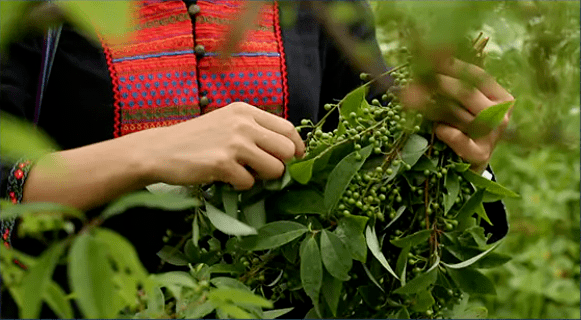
<point>488,119</point>
<point>226,223</point>
<point>373,245</point>
<point>147,199</point>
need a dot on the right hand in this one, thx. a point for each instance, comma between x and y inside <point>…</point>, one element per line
<point>233,144</point>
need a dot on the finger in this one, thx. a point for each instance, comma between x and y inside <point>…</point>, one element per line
<point>264,165</point>
<point>470,97</point>
<point>444,110</point>
<point>476,153</point>
<point>237,176</point>
<point>477,76</point>
<point>282,127</point>
<point>274,143</point>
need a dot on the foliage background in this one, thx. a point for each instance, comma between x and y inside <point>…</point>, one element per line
<point>534,52</point>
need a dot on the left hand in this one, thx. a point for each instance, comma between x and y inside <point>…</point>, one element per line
<point>466,90</point>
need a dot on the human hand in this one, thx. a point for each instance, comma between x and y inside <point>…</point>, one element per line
<point>463,90</point>
<point>233,144</point>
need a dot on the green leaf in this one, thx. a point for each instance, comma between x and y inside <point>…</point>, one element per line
<point>226,223</point>
<point>273,314</point>
<point>481,212</point>
<point>336,257</point>
<point>225,282</point>
<point>413,240</point>
<point>167,202</point>
<point>398,214</point>
<point>273,235</point>
<point>90,276</point>
<point>37,279</point>
<point>234,269</point>
<point>10,211</point>
<point>342,174</point>
<point>401,264</point>
<point>200,311</point>
<point>238,297</point>
<point>468,209</point>
<point>423,301</point>
<point>19,139</point>
<point>108,18</point>
<point>373,245</point>
<point>172,256</point>
<point>156,302</point>
<point>311,270</point>
<point>352,103</point>
<point>371,277</point>
<point>472,260</point>
<point>452,185</point>
<point>489,185</point>
<point>419,283</point>
<point>471,281</point>
<point>302,171</point>
<point>280,183</point>
<point>230,201</point>
<point>332,288</point>
<point>299,201</point>
<point>490,260</point>
<point>255,214</point>
<point>350,230</point>
<point>488,119</point>
<point>195,231</point>
<point>413,149</point>
<point>175,278</point>
<point>232,311</point>
<point>57,300</point>
<point>403,314</point>
<point>460,166</point>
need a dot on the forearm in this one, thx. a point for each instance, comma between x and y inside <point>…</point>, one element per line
<point>87,177</point>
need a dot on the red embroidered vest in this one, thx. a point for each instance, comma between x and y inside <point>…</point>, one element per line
<point>160,78</point>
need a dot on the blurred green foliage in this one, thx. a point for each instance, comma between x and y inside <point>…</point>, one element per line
<point>534,53</point>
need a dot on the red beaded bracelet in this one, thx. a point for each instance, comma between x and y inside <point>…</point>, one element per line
<point>16,180</point>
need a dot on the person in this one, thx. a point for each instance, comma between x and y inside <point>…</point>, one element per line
<point>164,107</point>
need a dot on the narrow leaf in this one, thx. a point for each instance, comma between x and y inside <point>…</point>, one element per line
<point>342,174</point>
<point>419,283</point>
<point>336,258</point>
<point>195,231</point>
<point>372,278</point>
<point>413,240</point>
<point>226,223</point>
<point>352,103</point>
<point>57,300</point>
<point>37,279</point>
<point>401,264</point>
<point>489,185</point>
<point>468,209</point>
<point>373,245</point>
<point>239,297</point>
<point>172,256</point>
<point>472,260</point>
<point>452,185</point>
<point>175,278</point>
<point>200,311</point>
<point>273,314</point>
<point>398,214</point>
<point>168,202</point>
<point>273,235</point>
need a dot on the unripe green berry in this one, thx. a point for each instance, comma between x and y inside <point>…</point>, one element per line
<point>328,106</point>
<point>304,122</point>
<point>426,172</point>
